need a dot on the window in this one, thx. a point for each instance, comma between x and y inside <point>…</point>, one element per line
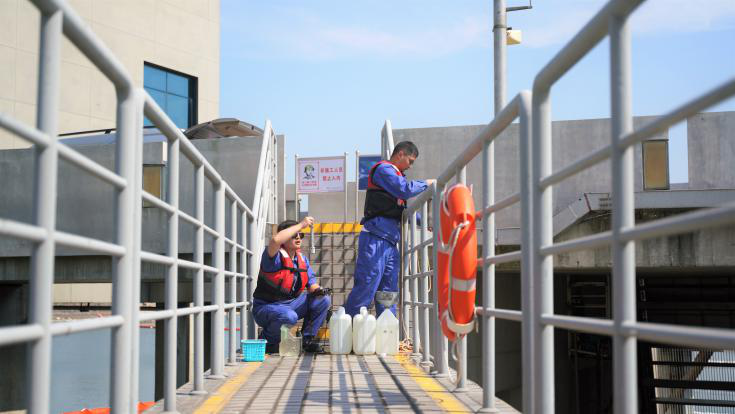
<point>153,176</point>
<point>175,93</point>
<point>656,165</point>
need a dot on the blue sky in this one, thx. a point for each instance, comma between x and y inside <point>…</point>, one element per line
<point>329,73</point>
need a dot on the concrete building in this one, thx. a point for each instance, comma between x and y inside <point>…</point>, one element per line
<point>170,47</point>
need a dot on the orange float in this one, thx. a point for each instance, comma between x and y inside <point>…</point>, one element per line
<point>142,406</point>
<point>457,262</point>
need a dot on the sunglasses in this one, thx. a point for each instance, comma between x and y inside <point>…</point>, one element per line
<point>299,236</point>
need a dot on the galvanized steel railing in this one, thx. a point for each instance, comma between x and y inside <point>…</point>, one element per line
<point>537,246</point>
<point>243,244</point>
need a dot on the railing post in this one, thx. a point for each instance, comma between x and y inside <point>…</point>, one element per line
<point>625,383</point>
<point>543,265</point>
<point>199,282</point>
<point>488,275</point>
<point>172,280</point>
<point>527,282</point>
<point>123,267</point>
<point>252,273</point>
<point>414,288</point>
<point>232,357</point>
<point>425,324</point>
<point>243,270</point>
<point>137,248</point>
<point>38,382</point>
<point>218,285</point>
<point>441,357</point>
<point>462,345</point>
<point>405,281</point>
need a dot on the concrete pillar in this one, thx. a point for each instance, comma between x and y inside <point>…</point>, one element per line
<point>13,311</point>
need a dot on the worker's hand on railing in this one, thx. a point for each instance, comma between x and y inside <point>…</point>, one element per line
<point>430,181</point>
<point>308,221</point>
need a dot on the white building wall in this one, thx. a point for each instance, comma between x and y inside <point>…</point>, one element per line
<point>182,35</point>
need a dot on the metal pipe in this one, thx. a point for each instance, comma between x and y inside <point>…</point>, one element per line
<point>507,314</point>
<point>12,335</point>
<point>499,58</point>
<point>253,273</point>
<point>625,375</point>
<point>344,183</point>
<point>232,357</point>
<point>296,187</point>
<point>425,324</point>
<point>172,281</point>
<point>218,286</point>
<point>406,285</point>
<point>441,360</point>
<point>137,210</point>
<point>543,266</point>
<point>712,338</point>
<point>84,325</point>
<point>416,334</point>
<point>462,363</point>
<point>488,251</point>
<point>38,357</point>
<point>357,185</point>
<point>246,280</point>
<point>528,285</point>
<point>580,324</point>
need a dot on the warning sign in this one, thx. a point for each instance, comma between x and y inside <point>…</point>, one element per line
<point>321,175</point>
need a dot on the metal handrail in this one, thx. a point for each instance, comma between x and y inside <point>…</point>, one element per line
<point>133,102</point>
<point>537,245</point>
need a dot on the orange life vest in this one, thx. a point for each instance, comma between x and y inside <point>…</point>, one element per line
<point>279,285</point>
<point>378,201</point>
<point>457,256</point>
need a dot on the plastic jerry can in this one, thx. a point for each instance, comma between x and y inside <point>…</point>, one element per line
<point>386,337</point>
<point>340,332</point>
<point>363,332</point>
<point>290,344</point>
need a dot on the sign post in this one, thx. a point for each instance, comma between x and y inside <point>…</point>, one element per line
<point>357,184</point>
<point>345,189</point>
<point>296,187</point>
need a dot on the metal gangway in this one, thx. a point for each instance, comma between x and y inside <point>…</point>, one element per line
<point>245,237</point>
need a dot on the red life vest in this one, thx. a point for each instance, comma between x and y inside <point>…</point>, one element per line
<point>279,285</point>
<point>378,201</point>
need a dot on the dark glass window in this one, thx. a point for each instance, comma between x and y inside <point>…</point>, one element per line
<point>175,93</point>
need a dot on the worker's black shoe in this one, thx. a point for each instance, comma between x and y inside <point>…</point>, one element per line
<point>271,348</point>
<point>311,345</point>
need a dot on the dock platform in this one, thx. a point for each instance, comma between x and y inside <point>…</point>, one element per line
<point>325,383</point>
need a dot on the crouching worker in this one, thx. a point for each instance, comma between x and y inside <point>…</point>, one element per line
<point>287,289</point>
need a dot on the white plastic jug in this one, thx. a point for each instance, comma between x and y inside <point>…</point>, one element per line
<point>340,332</point>
<point>386,337</point>
<point>290,344</point>
<point>363,332</point>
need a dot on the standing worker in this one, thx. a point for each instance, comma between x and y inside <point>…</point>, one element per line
<point>378,260</point>
<point>279,297</point>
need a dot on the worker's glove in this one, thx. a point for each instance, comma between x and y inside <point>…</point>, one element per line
<point>320,291</point>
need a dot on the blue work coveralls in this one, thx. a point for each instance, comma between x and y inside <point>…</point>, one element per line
<point>271,315</point>
<point>378,258</point>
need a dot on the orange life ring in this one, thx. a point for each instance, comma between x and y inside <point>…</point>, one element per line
<point>459,240</point>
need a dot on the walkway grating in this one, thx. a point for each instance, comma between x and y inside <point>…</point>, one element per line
<point>326,383</point>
